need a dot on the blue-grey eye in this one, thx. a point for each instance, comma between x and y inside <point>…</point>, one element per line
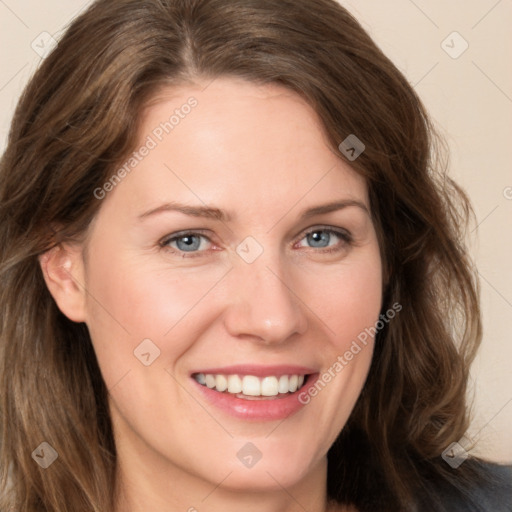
<point>187,243</point>
<point>319,239</point>
<point>322,238</point>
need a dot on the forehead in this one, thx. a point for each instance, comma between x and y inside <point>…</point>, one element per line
<point>236,141</point>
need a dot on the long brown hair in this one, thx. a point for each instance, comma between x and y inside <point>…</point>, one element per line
<point>76,121</point>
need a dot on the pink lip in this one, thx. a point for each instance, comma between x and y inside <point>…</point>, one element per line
<point>256,410</point>
<point>258,370</point>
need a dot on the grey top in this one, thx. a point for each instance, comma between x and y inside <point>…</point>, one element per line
<point>495,496</point>
<point>492,494</point>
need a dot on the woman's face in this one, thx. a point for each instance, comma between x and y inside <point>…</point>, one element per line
<point>236,251</point>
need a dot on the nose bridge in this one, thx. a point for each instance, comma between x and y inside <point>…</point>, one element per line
<point>263,303</point>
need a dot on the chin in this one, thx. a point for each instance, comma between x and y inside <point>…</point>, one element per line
<point>273,476</point>
<point>264,466</point>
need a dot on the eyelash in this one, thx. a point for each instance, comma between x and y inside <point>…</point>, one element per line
<point>343,235</point>
<point>182,234</point>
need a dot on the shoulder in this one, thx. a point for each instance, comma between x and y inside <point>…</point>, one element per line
<point>485,487</point>
<point>495,490</point>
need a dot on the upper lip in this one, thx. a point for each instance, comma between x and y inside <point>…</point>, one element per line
<point>258,370</point>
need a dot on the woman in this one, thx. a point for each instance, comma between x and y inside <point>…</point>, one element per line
<point>232,272</point>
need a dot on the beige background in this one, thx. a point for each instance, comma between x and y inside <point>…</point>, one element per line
<point>469,97</point>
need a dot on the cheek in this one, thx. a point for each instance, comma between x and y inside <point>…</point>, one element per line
<point>134,299</point>
<point>150,300</point>
<point>348,305</point>
<point>346,298</point>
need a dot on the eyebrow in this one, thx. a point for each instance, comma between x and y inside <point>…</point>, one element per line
<point>332,207</point>
<point>220,215</point>
<point>194,211</point>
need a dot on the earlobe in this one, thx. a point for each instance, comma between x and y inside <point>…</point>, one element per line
<point>63,272</point>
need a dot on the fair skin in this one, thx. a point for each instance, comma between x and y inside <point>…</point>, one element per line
<point>259,155</point>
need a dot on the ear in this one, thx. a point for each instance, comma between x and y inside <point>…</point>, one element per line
<point>63,271</point>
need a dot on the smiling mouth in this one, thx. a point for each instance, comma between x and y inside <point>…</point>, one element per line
<point>250,387</point>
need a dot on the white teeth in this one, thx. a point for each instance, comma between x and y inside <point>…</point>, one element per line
<point>210,380</point>
<point>269,386</point>
<point>294,380</point>
<point>283,384</point>
<point>234,384</point>
<point>221,383</point>
<point>250,385</point>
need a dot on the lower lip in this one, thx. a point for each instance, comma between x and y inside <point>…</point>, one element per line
<point>257,410</point>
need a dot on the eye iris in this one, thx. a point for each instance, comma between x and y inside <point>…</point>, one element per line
<point>188,243</point>
<point>319,239</point>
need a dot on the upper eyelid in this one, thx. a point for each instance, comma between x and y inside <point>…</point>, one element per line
<point>336,230</point>
<point>204,232</point>
<point>183,233</point>
<point>165,242</point>
<point>344,235</point>
<point>321,227</point>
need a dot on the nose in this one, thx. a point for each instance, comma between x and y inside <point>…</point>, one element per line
<point>263,306</point>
